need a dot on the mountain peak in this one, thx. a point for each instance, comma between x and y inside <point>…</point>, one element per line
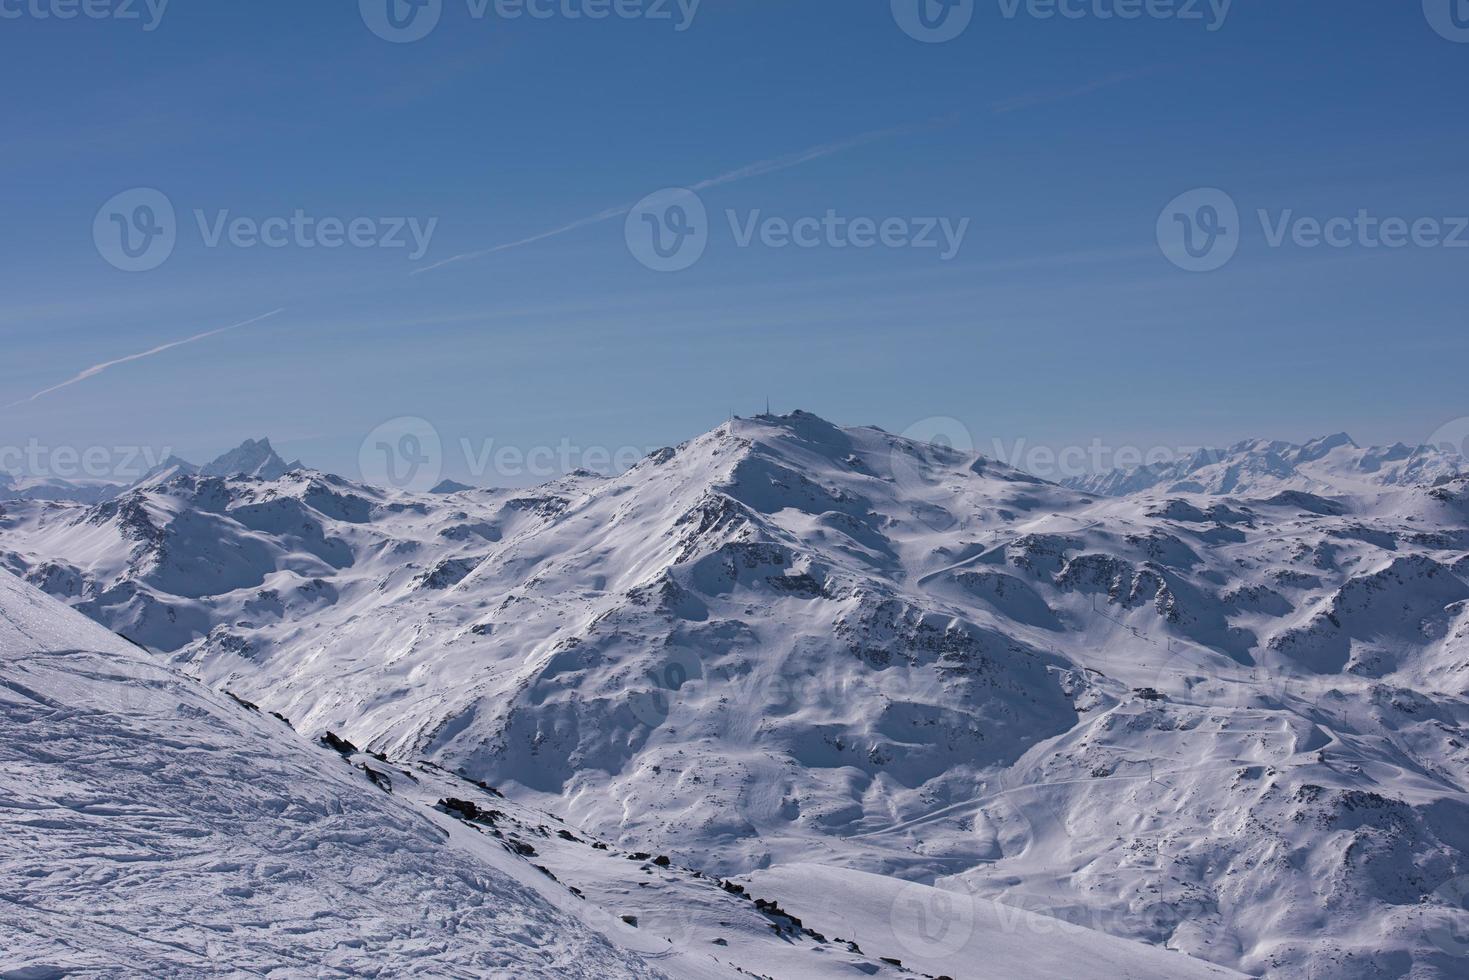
<point>1317,448</point>
<point>800,423</point>
<point>254,458</point>
<point>168,469</point>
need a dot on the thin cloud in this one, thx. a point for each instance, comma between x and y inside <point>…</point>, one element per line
<point>757,169</point>
<point>97,369</point>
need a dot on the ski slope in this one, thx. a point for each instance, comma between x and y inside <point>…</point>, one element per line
<point>152,827</point>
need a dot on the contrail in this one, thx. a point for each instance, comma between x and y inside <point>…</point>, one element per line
<point>774,164</point>
<point>757,169</point>
<point>97,369</point>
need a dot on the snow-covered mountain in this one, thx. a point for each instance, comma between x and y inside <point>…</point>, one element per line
<point>13,487</point>
<point>253,457</point>
<point>1256,467</point>
<point>1229,725</point>
<point>171,467</point>
<point>155,827</point>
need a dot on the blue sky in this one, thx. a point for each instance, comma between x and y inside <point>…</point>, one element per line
<point>1059,141</point>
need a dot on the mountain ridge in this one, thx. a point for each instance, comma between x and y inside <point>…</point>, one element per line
<point>786,640</point>
<point>1254,467</point>
<point>252,458</point>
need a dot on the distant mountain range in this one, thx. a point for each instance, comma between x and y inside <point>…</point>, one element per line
<point>1230,721</point>
<point>252,458</point>
<point>1330,465</point>
<point>1255,467</point>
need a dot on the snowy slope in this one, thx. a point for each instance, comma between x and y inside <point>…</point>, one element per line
<point>951,933</point>
<point>1332,464</point>
<point>694,925</point>
<point>1229,725</point>
<point>155,827</point>
<point>152,827</point>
